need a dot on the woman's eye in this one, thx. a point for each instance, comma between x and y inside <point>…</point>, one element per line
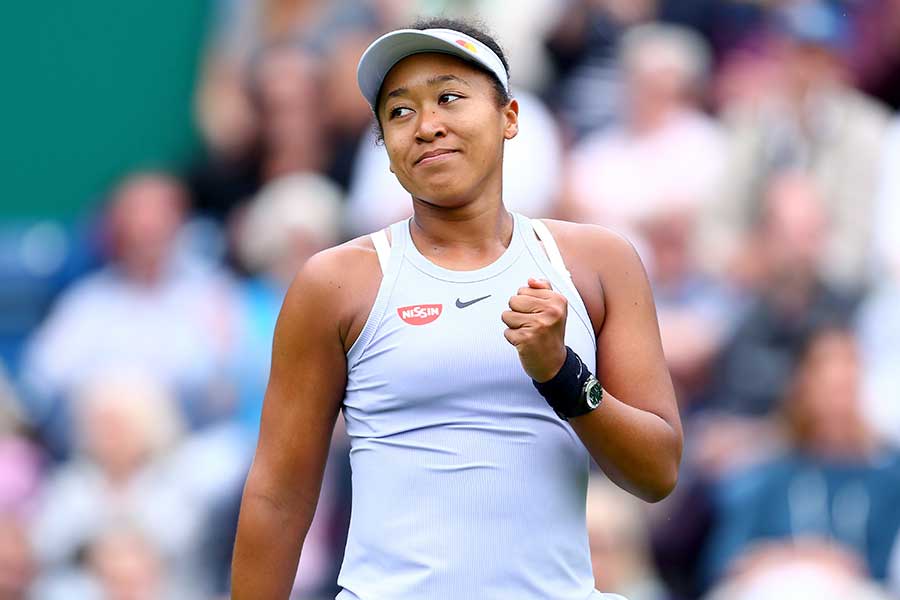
<point>399,112</point>
<point>446,98</point>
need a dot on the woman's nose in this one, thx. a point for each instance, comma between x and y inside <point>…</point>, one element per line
<point>431,126</point>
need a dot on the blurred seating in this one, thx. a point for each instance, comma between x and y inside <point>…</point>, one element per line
<point>800,572</point>
<point>620,543</point>
<point>645,165</point>
<point>783,276</point>
<point>38,258</point>
<point>835,484</point>
<point>151,306</point>
<point>805,117</point>
<point>290,219</point>
<point>134,482</point>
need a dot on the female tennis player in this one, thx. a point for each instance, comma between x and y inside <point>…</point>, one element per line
<point>480,358</point>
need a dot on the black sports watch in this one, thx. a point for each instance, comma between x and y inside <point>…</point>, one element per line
<point>590,398</point>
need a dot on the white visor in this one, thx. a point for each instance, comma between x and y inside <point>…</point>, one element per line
<point>385,52</point>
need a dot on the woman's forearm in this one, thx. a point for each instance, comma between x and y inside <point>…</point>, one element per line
<point>636,449</point>
<point>270,536</point>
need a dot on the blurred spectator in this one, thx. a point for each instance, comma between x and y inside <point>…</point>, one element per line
<point>789,236</point>
<point>730,427</point>
<point>286,86</point>
<point>279,95</point>
<point>804,571</point>
<point>619,540</point>
<point>17,565</point>
<point>726,24</point>
<point>695,312</point>
<point>835,485</point>
<point>887,212</point>
<point>680,525</point>
<point>283,86</point>
<point>811,120</point>
<point>875,57</point>
<point>788,298</point>
<point>21,471</point>
<point>38,259</point>
<point>879,330</point>
<point>125,474</point>
<point>649,164</point>
<point>119,564</point>
<point>879,320</point>
<point>127,567</point>
<point>521,31</point>
<point>239,31</point>
<point>151,306</point>
<point>346,113</point>
<point>531,171</point>
<point>291,219</point>
<point>584,46</point>
<point>748,75</point>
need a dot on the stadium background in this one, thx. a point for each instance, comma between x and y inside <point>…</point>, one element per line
<point>168,165</point>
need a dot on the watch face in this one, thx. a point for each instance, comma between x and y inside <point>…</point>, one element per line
<point>593,392</point>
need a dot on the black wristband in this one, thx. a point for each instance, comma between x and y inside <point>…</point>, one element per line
<point>564,392</point>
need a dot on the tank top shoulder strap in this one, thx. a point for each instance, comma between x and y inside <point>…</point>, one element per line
<point>545,251</point>
<point>390,257</point>
<point>382,249</point>
<point>550,247</point>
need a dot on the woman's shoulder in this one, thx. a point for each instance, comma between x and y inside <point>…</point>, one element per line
<point>338,284</point>
<point>338,267</point>
<point>595,248</point>
<point>586,233</point>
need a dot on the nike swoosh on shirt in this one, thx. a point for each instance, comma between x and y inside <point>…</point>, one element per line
<point>461,304</point>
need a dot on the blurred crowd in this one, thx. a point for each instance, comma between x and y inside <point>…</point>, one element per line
<point>750,150</point>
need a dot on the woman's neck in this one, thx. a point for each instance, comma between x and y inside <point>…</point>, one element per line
<point>469,236</point>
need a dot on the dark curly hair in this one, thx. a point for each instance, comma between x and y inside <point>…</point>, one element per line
<point>473,29</point>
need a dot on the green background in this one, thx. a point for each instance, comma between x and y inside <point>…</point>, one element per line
<point>91,89</point>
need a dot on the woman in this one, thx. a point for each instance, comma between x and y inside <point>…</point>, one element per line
<point>461,352</point>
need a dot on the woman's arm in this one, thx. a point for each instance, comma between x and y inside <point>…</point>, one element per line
<point>306,388</point>
<point>635,435</point>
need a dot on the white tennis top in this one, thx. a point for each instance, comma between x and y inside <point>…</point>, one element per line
<point>466,485</point>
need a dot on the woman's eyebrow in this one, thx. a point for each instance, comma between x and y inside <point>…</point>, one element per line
<point>402,91</point>
<point>444,78</point>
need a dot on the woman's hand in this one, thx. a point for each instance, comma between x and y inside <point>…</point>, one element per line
<point>536,325</point>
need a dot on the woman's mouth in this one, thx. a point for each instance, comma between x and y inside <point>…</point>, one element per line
<point>434,156</point>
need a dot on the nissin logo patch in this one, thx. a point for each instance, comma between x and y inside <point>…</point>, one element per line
<point>420,314</point>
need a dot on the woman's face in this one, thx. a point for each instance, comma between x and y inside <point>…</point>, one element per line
<point>443,129</point>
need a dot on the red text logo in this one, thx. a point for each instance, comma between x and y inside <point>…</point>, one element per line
<point>420,314</point>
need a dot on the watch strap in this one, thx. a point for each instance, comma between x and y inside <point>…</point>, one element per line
<point>567,392</point>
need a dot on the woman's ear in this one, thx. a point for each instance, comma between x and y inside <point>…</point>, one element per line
<point>511,114</point>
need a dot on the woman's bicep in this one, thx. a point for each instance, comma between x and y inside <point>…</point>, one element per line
<point>630,357</point>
